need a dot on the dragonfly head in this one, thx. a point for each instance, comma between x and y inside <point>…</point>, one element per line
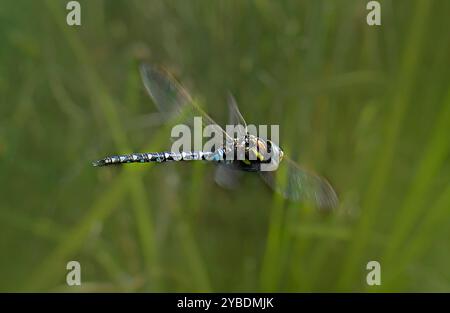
<point>277,152</point>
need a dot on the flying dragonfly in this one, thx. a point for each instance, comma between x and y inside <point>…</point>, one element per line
<point>289,179</point>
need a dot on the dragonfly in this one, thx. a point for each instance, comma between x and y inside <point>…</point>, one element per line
<point>292,181</point>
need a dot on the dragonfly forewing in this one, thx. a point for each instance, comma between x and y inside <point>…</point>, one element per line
<point>172,99</point>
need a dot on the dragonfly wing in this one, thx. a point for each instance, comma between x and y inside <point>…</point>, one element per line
<point>235,117</point>
<point>168,95</point>
<point>300,185</point>
<point>227,177</point>
<point>171,98</point>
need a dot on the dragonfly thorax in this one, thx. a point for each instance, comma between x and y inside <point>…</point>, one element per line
<point>250,151</point>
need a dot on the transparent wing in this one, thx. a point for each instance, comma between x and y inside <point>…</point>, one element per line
<point>235,116</point>
<point>227,177</point>
<point>171,98</point>
<point>297,184</point>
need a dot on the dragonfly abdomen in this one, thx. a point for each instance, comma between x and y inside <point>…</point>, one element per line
<point>160,157</point>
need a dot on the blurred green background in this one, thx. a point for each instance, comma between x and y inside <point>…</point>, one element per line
<point>367,107</point>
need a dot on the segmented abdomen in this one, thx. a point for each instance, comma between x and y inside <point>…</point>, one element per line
<point>160,157</point>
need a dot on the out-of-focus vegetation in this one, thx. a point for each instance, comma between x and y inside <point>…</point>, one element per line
<point>367,107</point>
